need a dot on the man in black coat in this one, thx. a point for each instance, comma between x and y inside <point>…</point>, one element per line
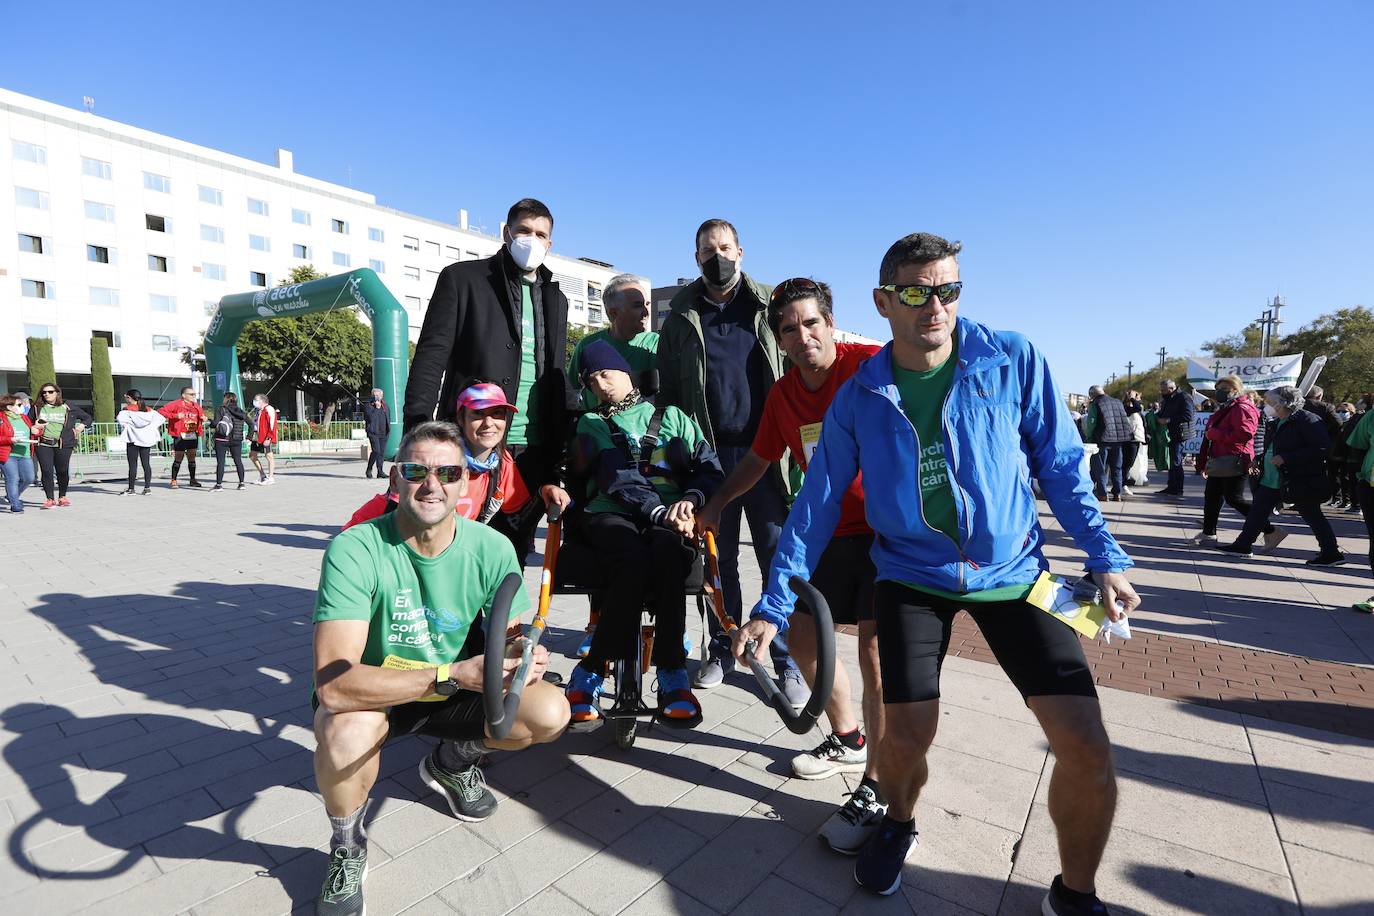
<point>1313,403</point>
<point>503,320</point>
<point>1175,409</point>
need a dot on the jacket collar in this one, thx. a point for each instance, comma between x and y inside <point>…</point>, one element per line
<point>978,352</point>
<point>688,296</point>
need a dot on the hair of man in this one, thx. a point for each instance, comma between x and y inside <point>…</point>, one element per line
<point>528,206</point>
<point>916,248</point>
<point>611,295</point>
<point>433,431</point>
<point>785,295</point>
<point>716,224</point>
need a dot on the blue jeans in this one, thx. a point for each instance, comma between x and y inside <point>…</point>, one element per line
<point>18,472</point>
<point>766,510</point>
<point>1106,462</point>
<point>1175,484</point>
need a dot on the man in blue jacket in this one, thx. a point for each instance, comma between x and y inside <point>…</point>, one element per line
<point>948,423</point>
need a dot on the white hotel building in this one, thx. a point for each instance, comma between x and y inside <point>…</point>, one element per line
<point>113,231</point>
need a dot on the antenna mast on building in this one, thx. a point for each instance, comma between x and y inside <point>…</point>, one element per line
<point>89,102</point>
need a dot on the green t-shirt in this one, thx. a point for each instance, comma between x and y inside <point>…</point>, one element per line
<point>640,351</point>
<point>19,448</point>
<point>635,423</point>
<point>524,425</point>
<point>422,609</point>
<point>1269,477</point>
<point>923,397</point>
<point>55,416</point>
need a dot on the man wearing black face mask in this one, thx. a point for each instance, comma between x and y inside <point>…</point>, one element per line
<point>504,319</point>
<point>717,358</point>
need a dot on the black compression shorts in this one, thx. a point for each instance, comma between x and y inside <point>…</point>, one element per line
<point>1042,656</point>
<point>459,718</point>
<point>184,445</point>
<point>845,577</point>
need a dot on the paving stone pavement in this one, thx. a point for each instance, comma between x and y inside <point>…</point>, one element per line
<point>155,754</point>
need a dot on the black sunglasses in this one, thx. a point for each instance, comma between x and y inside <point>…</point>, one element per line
<point>418,473</point>
<point>917,296</point>
<point>48,391</point>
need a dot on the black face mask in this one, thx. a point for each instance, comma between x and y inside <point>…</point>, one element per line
<point>719,271</point>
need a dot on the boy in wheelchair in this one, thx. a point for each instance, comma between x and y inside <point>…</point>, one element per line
<point>647,471</point>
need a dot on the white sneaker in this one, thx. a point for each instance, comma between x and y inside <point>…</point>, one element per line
<point>269,481</point>
<point>1204,540</point>
<point>1272,541</point>
<point>850,827</point>
<point>1126,491</point>
<point>828,758</point>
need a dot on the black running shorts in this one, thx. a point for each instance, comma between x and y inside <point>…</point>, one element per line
<point>184,445</point>
<point>845,577</point>
<point>259,447</point>
<point>459,718</point>
<point>1042,656</point>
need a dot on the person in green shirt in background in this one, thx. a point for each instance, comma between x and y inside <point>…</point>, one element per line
<point>399,651</point>
<point>15,466</point>
<point>1361,438</point>
<point>626,298</point>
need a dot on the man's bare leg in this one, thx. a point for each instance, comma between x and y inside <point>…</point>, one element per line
<point>902,772</point>
<point>347,755</point>
<point>801,643</point>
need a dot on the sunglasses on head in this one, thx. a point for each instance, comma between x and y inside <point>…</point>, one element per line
<point>795,285</point>
<point>917,296</point>
<point>417,473</point>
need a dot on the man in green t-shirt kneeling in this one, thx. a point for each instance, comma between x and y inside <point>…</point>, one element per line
<point>399,651</point>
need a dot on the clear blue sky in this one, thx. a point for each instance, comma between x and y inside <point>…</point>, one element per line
<point>1124,176</point>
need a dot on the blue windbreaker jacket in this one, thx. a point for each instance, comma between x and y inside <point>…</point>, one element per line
<point>1004,423</point>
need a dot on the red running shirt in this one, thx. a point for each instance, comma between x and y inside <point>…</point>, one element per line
<point>792,418</point>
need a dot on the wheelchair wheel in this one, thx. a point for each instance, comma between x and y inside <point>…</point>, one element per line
<point>625,733</point>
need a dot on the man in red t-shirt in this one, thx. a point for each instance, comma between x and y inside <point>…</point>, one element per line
<point>801,314</point>
<point>185,423</point>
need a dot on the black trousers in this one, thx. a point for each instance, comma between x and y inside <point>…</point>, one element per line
<point>55,466</point>
<point>644,561</point>
<point>1365,494</point>
<point>1266,498</point>
<point>376,452</point>
<point>1232,490</point>
<point>232,449</point>
<point>1129,451</point>
<point>135,454</point>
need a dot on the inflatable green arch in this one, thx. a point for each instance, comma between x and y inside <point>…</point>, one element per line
<point>362,287</point>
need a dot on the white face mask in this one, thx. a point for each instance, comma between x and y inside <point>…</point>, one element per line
<point>528,251</point>
<point>1342,415</point>
<point>259,405</point>
<point>1270,412</point>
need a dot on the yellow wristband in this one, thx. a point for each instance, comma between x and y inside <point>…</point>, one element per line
<point>441,674</point>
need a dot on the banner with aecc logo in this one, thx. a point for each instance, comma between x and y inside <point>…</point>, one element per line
<point>1258,372</point>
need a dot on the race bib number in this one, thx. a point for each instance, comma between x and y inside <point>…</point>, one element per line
<point>1055,597</point>
<point>810,437</point>
<point>189,436</point>
<point>396,663</point>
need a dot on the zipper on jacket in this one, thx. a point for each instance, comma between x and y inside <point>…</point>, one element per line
<point>921,499</point>
<point>953,478</point>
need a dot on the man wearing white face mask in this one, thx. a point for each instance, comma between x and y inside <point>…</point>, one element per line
<point>505,319</point>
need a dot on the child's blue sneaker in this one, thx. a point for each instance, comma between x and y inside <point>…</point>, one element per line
<point>584,690</point>
<point>677,706</point>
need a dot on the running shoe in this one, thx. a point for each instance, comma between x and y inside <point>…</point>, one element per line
<point>584,691</point>
<point>1272,540</point>
<point>1327,559</point>
<point>851,827</point>
<point>465,790</point>
<point>49,504</point>
<point>216,488</point>
<point>342,893</point>
<point>795,689</point>
<point>1364,607</point>
<point>879,867</point>
<point>677,707</point>
<point>1234,549</point>
<point>128,492</point>
<point>175,485</point>
<point>242,485</point>
<point>147,491</point>
<point>196,483</point>
<point>269,481</point>
<point>711,674</point>
<point>829,757</point>
<point>1057,902</point>
<point>1204,539</point>
<point>64,502</point>
<point>586,645</point>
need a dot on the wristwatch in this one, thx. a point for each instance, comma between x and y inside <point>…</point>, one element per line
<point>444,685</point>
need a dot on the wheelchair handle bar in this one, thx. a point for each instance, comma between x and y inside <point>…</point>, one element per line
<point>797,722</point>
<point>501,706</point>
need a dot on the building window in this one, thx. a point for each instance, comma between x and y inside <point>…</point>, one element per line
<point>453,254</point>
<point>300,217</point>
<point>158,263</point>
<point>594,315</point>
<point>410,243</point>
<point>341,259</point>
<point>98,254</point>
<point>413,303</point>
<point>593,292</point>
<point>164,343</point>
<point>300,251</point>
<point>211,196</point>
<point>160,183</point>
<point>211,234</point>
<point>96,168</point>
<point>433,248</point>
<point>30,152</point>
<point>214,271</point>
<point>210,306</point>
<point>156,223</point>
<point>258,207</point>
<point>28,197</point>
<point>378,267</point>
<point>410,273</point>
<point>472,256</point>
<point>35,289</point>
<point>45,331</point>
<point>33,244</point>
<point>339,226</point>
<point>160,303</point>
<point>110,337</point>
<point>100,295</point>
<point>259,243</point>
<point>257,278</point>
<point>432,278</point>
<point>376,235</point>
<point>98,211</point>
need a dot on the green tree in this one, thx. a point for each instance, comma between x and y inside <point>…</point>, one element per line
<point>1346,337</point>
<point>575,335</point>
<point>1147,382</point>
<point>102,382</point>
<point>42,371</point>
<point>1246,343</point>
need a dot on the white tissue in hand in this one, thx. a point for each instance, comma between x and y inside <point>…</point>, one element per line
<point>1121,628</point>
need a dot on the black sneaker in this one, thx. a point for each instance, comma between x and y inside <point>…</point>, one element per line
<point>465,790</point>
<point>197,484</point>
<point>342,893</point>
<point>147,491</point>
<point>242,486</point>
<point>1057,902</point>
<point>879,867</point>
<point>216,488</point>
<point>128,492</point>
<point>1234,550</point>
<point>1167,493</point>
<point>1327,559</point>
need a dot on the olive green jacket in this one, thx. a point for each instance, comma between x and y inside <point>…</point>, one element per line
<point>682,361</point>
